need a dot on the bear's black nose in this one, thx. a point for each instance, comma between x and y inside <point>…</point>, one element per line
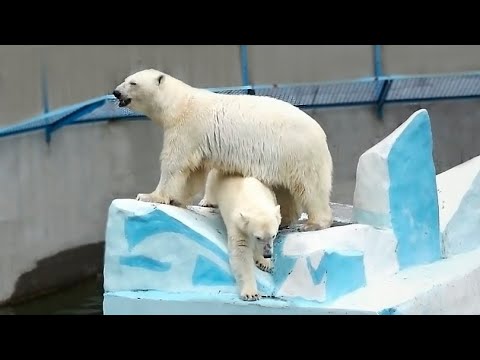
<point>117,94</point>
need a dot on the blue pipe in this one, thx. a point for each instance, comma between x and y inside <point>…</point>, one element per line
<point>244,64</point>
<point>377,56</point>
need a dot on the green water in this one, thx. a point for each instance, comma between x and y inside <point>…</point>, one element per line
<point>83,299</point>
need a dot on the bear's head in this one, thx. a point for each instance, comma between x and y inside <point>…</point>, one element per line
<point>261,226</point>
<point>142,90</point>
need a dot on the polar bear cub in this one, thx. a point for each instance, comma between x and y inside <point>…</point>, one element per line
<point>252,217</point>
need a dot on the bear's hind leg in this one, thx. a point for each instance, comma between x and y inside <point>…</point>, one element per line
<point>289,208</point>
<point>196,184</point>
<point>316,203</point>
<point>208,199</point>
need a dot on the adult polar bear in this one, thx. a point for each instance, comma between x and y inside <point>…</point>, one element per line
<point>257,136</point>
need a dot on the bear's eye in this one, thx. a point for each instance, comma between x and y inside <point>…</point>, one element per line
<point>133,83</point>
<point>258,238</point>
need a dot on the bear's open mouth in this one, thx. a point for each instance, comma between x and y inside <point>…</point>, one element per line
<point>124,102</point>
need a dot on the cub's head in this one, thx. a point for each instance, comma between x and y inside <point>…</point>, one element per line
<point>140,90</point>
<point>261,226</point>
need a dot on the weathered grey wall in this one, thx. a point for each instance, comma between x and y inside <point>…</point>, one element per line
<point>55,197</point>
<point>20,87</point>
<point>422,59</point>
<point>306,63</point>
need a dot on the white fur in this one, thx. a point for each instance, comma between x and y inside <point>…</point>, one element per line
<point>252,216</point>
<point>261,137</point>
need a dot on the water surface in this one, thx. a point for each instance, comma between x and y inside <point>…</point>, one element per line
<point>83,299</point>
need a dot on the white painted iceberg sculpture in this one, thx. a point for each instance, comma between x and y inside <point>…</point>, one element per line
<point>396,190</point>
<point>328,264</point>
<point>161,259</point>
<point>169,249</point>
<point>459,203</point>
<point>183,251</point>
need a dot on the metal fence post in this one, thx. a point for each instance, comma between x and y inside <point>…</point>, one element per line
<point>377,61</point>
<point>244,65</point>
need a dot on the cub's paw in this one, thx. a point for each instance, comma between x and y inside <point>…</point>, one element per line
<point>206,203</point>
<point>250,297</point>
<point>249,293</point>
<point>264,264</point>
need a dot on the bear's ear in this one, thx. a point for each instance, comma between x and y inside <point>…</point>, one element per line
<point>278,214</point>
<point>160,79</point>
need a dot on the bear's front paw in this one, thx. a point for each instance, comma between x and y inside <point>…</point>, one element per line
<point>249,294</point>
<point>206,203</point>
<point>154,198</point>
<point>264,265</point>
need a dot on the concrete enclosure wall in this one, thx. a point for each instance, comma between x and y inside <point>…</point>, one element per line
<point>55,197</point>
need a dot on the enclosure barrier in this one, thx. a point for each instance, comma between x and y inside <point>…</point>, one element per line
<point>376,91</point>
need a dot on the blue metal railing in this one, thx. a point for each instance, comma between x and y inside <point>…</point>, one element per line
<point>377,90</point>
